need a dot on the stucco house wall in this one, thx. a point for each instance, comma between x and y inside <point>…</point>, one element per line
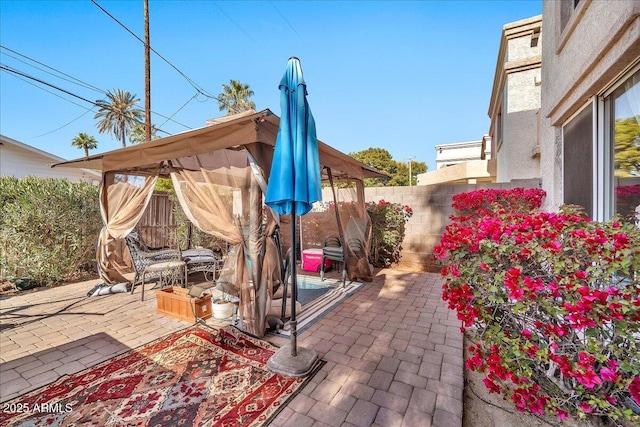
<point>582,55</point>
<point>515,101</point>
<point>21,160</point>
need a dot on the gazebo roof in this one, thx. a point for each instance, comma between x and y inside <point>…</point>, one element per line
<point>229,132</point>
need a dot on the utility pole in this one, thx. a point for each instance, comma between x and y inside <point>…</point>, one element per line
<point>410,178</point>
<point>147,73</point>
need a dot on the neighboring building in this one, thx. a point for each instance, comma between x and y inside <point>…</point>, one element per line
<point>590,112</point>
<point>461,163</point>
<point>515,102</point>
<point>458,152</point>
<point>511,149</point>
<point>20,160</point>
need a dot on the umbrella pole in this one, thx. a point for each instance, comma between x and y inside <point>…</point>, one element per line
<point>294,285</point>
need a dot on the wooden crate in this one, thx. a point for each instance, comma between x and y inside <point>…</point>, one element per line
<point>175,302</point>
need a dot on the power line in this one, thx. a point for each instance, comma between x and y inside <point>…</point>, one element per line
<point>191,82</point>
<point>236,24</point>
<point>178,110</point>
<point>14,71</point>
<point>286,20</point>
<point>63,126</point>
<point>79,82</point>
<point>20,73</point>
<point>52,93</point>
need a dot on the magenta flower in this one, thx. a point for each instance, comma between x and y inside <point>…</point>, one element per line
<point>634,389</point>
<point>608,374</point>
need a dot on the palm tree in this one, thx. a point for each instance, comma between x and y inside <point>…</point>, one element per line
<point>84,141</point>
<point>117,114</point>
<point>235,98</point>
<point>138,134</point>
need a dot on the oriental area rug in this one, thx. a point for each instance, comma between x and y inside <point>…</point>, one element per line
<point>199,376</point>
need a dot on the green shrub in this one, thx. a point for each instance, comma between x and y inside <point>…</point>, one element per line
<point>387,231</point>
<point>48,228</point>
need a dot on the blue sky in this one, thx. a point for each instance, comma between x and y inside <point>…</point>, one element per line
<point>403,76</point>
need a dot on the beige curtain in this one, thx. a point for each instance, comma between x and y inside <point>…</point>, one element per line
<point>225,205</point>
<point>123,199</point>
<point>354,226</point>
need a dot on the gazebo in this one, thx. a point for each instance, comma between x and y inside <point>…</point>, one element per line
<point>219,173</point>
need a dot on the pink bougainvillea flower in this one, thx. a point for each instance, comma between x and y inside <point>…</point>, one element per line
<point>492,386</point>
<point>585,407</point>
<point>589,379</point>
<point>585,360</point>
<point>634,389</point>
<point>582,275</point>
<point>608,374</point>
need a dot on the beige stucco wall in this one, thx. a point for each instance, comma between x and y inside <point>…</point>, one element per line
<point>477,170</point>
<point>447,154</point>
<point>515,100</point>
<point>601,39</point>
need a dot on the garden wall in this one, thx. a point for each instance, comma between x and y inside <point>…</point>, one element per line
<point>431,206</point>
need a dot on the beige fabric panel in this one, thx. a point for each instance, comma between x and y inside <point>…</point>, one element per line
<point>152,152</point>
<point>121,205</point>
<point>235,131</point>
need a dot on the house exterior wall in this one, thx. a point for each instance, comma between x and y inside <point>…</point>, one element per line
<point>469,172</point>
<point>457,152</point>
<point>461,163</point>
<point>18,161</point>
<point>596,44</point>
<point>515,101</point>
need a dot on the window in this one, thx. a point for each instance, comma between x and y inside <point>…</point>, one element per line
<point>499,129</point>
<point>566,9</point>
<point>601,152</point>
<point>622,110</point>
<point>577,136</point>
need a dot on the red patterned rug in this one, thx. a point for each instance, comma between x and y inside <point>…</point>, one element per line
<point>196,377</point>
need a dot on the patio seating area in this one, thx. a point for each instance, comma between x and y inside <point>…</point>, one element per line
<point>393,349</point>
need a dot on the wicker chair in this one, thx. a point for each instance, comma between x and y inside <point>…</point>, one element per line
<point>160,265</point>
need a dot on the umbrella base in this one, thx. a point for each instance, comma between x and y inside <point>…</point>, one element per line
<point>282,362</point>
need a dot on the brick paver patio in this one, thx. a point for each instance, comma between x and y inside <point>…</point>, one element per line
<point>393,349</point>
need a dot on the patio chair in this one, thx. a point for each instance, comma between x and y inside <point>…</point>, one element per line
<point>164,266</point>
<point>332,249</point>
<point>202,260</point>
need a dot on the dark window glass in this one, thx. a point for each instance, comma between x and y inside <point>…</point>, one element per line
<point>578,161</point>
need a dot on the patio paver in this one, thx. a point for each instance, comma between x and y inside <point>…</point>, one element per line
<point>393,349</point>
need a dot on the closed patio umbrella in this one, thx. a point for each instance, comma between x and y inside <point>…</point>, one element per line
<point>294,184</point>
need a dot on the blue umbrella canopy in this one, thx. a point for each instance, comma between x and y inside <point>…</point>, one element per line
<point>295,171</point>
<point>294,184</point>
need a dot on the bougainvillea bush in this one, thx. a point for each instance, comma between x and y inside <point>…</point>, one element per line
<point>551,302</point>
<point>388,222</point>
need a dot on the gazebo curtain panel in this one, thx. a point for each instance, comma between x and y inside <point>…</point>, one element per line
<point>123,199</point>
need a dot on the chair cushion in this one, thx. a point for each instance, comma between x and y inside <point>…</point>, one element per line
<point>159,266</point>
<point>198,252</point>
